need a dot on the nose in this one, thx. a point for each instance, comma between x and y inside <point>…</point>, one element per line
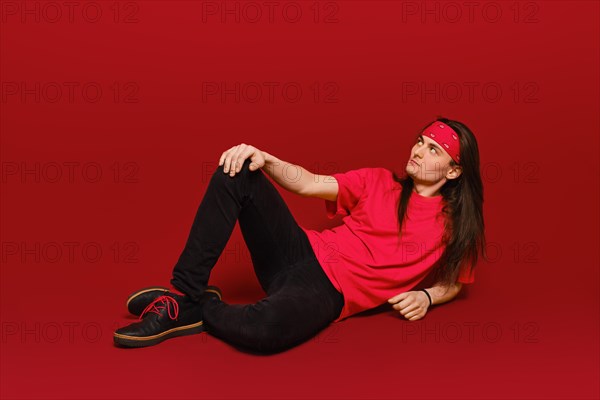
<point>419,151</point>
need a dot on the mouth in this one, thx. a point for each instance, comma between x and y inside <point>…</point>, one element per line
<point>413,162</point>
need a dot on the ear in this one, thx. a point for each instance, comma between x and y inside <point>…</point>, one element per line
<point>454,172</point>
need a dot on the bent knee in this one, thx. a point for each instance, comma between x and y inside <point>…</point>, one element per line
<point>244,170</point>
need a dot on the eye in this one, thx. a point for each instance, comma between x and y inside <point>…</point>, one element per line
<point>434,150</point>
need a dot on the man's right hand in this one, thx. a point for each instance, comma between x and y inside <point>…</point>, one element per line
<point>233,158</point>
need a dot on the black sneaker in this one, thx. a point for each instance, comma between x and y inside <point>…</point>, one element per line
<point>169,315</point>
<point>139,300</point>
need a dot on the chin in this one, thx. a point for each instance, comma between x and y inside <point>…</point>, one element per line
<point>410,170</point>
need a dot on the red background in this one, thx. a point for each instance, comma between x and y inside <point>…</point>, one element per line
<point>527,328</point>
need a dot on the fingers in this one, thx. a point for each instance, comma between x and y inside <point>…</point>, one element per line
<point>415,317</point>
<point>404,300</point>
<point>398,298</point>
<point>224,155</point>
<point>235,165</point>
<point>406,309</point>
<point>413,314</point>
<point>234,158</point>
<point>408,306</point>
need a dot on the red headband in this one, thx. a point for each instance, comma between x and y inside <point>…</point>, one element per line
<point>446,137</point>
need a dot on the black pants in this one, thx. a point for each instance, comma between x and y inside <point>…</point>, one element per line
<point>300,301</point>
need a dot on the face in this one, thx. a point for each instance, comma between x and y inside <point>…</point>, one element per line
<point>429,163</point>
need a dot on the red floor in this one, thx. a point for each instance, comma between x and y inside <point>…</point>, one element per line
<point>457,351</point>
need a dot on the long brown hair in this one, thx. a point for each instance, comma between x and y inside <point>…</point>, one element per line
<point>464,228</point>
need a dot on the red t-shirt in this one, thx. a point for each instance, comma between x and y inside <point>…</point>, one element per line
<point>363,257</point>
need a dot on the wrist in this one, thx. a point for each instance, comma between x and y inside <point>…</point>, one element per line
<point>428,297</point>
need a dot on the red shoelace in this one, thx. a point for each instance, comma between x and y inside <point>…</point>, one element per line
<point>168,302</point>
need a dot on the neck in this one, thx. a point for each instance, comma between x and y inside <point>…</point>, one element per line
<point>428,190</point>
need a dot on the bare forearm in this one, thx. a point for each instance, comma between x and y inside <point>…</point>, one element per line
<point>441,294</point>
<point>289,176</point>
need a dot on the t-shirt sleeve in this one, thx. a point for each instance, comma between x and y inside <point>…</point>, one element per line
<point>466,273</point>
<point>351,187</point>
